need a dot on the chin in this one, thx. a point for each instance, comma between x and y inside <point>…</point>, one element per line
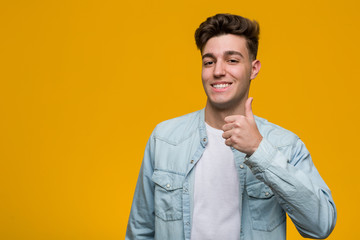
<point>220,105</point>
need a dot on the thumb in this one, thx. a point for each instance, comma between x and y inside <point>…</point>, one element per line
<point>248,108</point>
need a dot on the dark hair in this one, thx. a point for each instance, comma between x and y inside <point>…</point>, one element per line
<point>229,24</point>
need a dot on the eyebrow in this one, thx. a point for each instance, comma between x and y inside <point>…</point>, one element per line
<point>227,53</point>
<point>234,53</point>
<point>210,55</point>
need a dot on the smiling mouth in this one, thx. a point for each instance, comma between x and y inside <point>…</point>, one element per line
<point>221,85</point>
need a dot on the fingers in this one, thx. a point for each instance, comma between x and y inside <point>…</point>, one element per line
<point>228,138</point>
<point>235,124</point>
<point>230,133</point>
<point>240,131</point>
<point>230,126</point>
<point>230,119</point>
<point>227,134</point>
<point>228,142</point>
<point>248,108</point>
<point>248,112</point>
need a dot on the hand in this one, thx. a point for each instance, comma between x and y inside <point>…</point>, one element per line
<point>241,131</point>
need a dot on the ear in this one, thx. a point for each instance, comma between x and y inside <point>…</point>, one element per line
<point>255,68</point>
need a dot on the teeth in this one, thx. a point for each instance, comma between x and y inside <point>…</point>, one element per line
<point>217,86</point>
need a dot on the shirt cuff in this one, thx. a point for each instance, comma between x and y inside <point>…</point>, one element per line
<point>262,158</point>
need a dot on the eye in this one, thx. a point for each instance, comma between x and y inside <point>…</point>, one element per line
<point>233,61</point>
<point>208,63</point>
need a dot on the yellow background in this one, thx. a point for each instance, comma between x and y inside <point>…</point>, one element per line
<point>83,83</point>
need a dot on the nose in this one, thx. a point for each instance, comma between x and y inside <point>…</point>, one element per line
<point>219,69</point>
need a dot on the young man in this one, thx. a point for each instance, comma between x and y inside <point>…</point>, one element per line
<point>223,173</point>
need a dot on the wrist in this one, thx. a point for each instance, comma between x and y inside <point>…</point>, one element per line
<point>255,147</point>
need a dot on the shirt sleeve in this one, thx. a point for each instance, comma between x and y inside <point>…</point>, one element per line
<point>141,224</point>
<point>297,185</point>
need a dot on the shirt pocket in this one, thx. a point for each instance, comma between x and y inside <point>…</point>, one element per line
<point>168,195</point>
<point>266,213</point>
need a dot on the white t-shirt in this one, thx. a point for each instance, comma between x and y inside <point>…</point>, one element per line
<point>217,202</point>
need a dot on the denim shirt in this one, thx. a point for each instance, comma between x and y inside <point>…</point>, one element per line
<point>278,178</point>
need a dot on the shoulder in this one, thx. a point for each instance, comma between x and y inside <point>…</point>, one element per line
<point>275,134</point>
<point>178,129</point>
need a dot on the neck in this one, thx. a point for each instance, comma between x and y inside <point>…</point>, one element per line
<point>215,116</point>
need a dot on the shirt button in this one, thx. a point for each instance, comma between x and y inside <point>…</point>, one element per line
<point>204,139</point>
<point>187,223</point>
<point>241,166</point>
<point>267,194</point>
<point>192,161</point>
<point>168,185</point>
<point>185,190</point>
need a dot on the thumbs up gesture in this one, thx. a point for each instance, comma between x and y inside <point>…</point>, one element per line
<point>241,131</point>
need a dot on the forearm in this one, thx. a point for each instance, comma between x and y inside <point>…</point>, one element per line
<point>297,186</point>
<point>141,221</point>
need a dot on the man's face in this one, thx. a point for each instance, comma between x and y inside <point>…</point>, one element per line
<point>227,70</point>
